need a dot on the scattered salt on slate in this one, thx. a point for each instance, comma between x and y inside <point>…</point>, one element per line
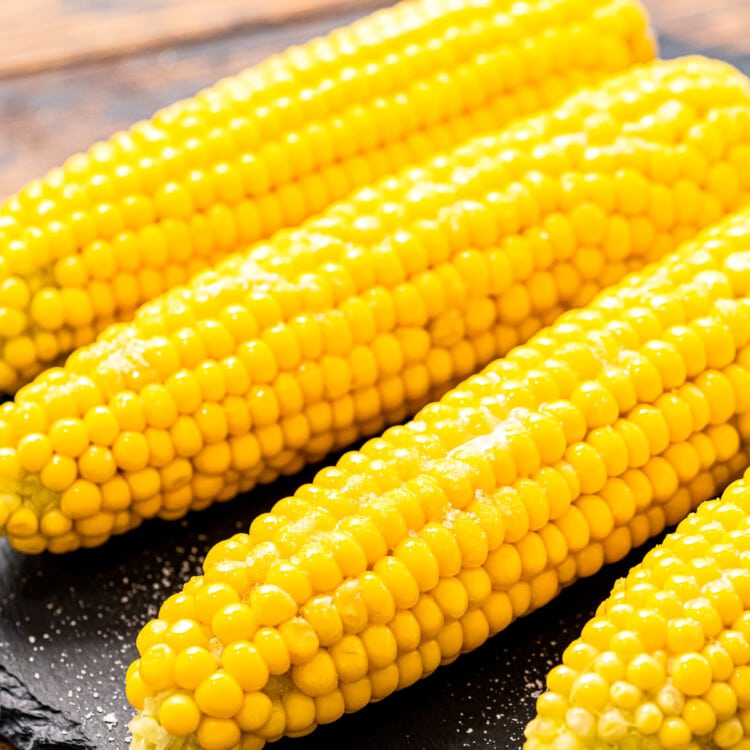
<point>68,626</point>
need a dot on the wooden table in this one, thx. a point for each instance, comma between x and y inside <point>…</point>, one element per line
<point>74,71</point>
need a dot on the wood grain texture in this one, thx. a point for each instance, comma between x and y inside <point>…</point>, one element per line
<point>51,115</point>
<point>719,24</point>
<point>38,35</point>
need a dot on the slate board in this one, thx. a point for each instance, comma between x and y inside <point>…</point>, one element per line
<point>68,625</point>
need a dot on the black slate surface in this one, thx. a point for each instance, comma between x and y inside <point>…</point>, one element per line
<point>68,625</point>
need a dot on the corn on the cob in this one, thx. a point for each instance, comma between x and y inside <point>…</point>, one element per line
<point>142,212</point>
<point>333,330</point>
<point>576,447</point>
<point>664,664</point>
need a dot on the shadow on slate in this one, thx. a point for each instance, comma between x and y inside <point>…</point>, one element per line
<point>68,628</point>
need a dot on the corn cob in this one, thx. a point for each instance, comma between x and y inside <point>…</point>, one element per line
<point>563,456</point>
<point>312,340</point>
<point>664,662</point>
<point>144,211</point>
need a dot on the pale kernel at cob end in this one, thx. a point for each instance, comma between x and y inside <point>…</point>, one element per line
<point>142,212</point>
<point>665,663</point>
<point>603,429</point>
<point>357,318</point>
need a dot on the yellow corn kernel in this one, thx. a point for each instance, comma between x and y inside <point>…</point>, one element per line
<point>179,715</point>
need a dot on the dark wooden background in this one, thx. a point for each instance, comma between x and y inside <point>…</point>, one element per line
<point>74,71</point>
